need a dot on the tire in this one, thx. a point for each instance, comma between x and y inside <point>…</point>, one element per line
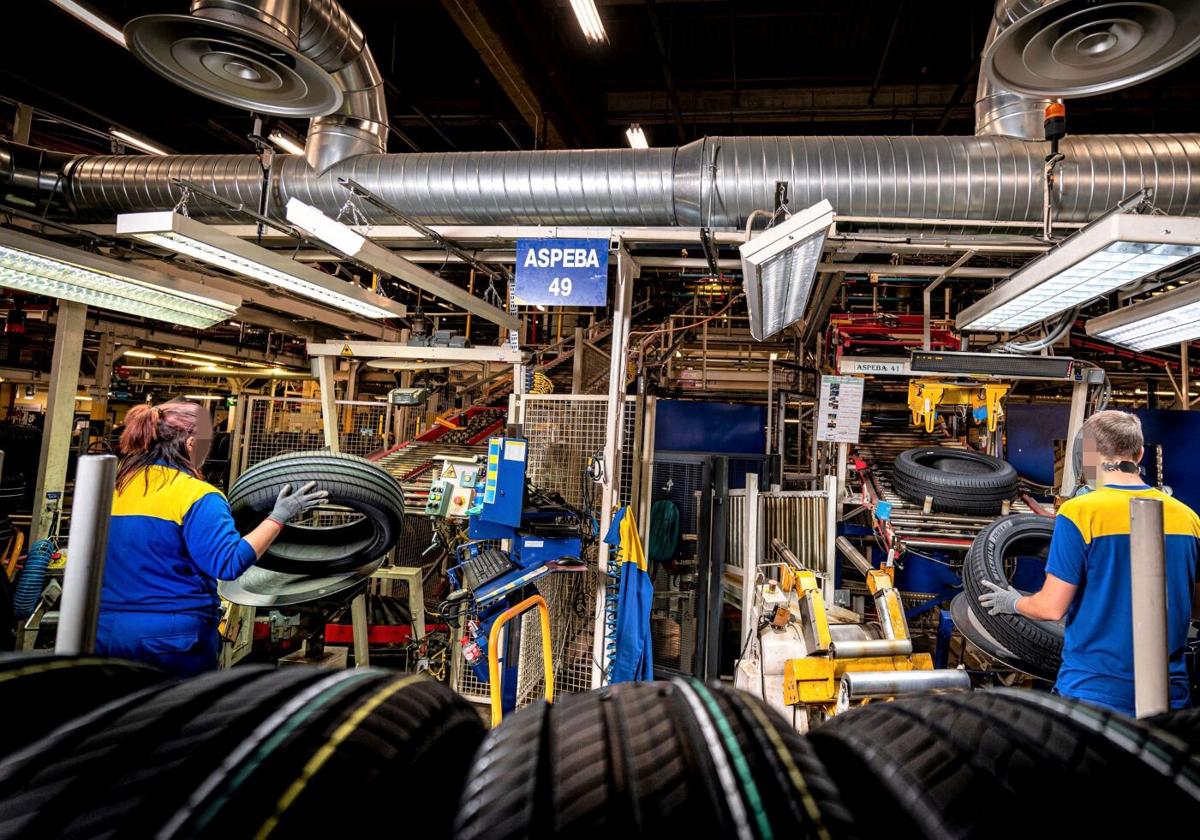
<point>1183,724</point>
<point>639,759</point>
<point>1037,643</point>
<point>41,692</point>
<point>966,765</point>
<point>352,482</point>
<point>959,480</point>
<point>258,751</point>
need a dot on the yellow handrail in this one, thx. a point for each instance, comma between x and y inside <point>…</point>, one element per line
<point>494,651</point>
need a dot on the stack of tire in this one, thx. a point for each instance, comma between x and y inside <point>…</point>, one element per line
<point>1032,646</point>
<point>957,480</point>
<point>257,752</point>
<point>345,550</point>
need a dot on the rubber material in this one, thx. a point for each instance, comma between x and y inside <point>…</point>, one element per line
<point>959,480</point>
<point>254,751</point>
<point>41,691</point>
<point>648,759</point>
<point>352,482</point>
<point>1038,644</point>
<point>1184,724</point>
<point>969,765</point>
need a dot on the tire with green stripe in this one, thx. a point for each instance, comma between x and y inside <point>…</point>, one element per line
<point>646,759</point>
<point>39,692</point>
<point>253,752</point>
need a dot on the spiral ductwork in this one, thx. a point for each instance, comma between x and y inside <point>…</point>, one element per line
<point>1002,112</point>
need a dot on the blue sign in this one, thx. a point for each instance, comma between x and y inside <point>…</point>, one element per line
<point>562,272</point>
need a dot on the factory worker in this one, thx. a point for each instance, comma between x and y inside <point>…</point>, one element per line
<point>171,538</point>
<point>1088,573</point>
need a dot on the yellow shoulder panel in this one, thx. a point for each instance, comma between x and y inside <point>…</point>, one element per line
<point>170,495</point>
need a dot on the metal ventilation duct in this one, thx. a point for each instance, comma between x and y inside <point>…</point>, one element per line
<point>285,57</point>
<point>1002,112</point>
<point>1066,48</point>
<point>714,182</point>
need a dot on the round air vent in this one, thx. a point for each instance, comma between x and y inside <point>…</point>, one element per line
<point>1080,48</point>
<point>230,64</point>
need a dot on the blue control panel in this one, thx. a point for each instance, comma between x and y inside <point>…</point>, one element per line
<point>504,481</point>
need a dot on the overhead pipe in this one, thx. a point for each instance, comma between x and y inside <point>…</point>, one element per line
<point>1002,112</point>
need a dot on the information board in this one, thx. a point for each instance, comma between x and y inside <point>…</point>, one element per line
<point>839,413</point>
<point>562,272</point>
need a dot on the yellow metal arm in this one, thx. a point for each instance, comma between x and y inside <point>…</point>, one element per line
<point>494,651</point>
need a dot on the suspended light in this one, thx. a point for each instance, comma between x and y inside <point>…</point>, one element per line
<point>1114,251</point>
<point>286,142</point>
<point>1170,318</point>
<point>779,267</point>
<point>47,268</point>
<point>349,242</point>
<point>589,20</point>
<point>210,245</point>
<point>139,143</point>
<point>636,137</point>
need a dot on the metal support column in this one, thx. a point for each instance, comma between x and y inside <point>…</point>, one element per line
<point>358,622</point>
<point>927,294</point>
<point>1185,377</point>
<point>104,367</point>
<point>750,542</point>
<point>1079,396</point>
<point>22,124</point>
<point>1151,679</point>
<point>577,362</point>
<point>627,270</point>
<point>329,418</point>
<point>91,510</point>
<point>60,416</point>
<point>831,518</point>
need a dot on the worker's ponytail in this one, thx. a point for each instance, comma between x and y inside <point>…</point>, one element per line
<point>157,435</point>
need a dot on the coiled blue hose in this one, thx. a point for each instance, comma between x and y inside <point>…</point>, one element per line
<point>33,579</point>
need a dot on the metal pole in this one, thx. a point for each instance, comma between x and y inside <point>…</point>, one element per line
<point>831,516</point>
<point>749,558</point>
<point>927,294</point>
<point>1149,585</point>
<point>360,629</point>
<point>329,418</point>
<point>60,416</point>
<point>95,479</point>
<point>1079,394</point>
<point>1185,378</point>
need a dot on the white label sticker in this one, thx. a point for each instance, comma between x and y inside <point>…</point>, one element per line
<point>535,543</point>
<point>514,450</point>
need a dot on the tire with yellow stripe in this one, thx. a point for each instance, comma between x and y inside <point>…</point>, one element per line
<point>254,752</point>
<point>39,692</point>
<point>665,759</point>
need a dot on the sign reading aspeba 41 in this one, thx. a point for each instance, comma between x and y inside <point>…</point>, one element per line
<point>562,272</point>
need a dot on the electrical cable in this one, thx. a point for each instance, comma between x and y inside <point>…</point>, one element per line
<point>1061,328</point>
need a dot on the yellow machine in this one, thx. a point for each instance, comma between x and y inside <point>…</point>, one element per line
<point>926,395</point>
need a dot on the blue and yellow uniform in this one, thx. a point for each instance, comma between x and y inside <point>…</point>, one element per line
<point>1090,549</point>
<point>172,537</point>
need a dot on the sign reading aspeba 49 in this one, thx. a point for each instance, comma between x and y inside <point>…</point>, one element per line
<point>562,272</point>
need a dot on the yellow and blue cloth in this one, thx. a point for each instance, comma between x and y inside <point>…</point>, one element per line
<point>634,660</point>
<point>171,538</point>
<point>1090,550</point>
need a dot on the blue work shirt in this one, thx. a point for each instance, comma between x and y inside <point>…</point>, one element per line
<point>171,538</point>
<point>1090,549</point>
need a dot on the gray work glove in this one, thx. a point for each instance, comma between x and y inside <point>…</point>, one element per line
<point>1000,601</point>
<point>291,504</point>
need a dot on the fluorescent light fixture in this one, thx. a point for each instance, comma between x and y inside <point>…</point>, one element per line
<point>201,397</point>
<point>139,143</point>
<point>589,20</point>
<point>345,239</point>
<point>1111,252</point>
<point>1169,318</point>
<point>286,142</point>
<point>636,137</point>
<point>42,267</point>
<point>137,354</point>
<point>208,244</point>
<point>101,24</point>
<point>779,267</point>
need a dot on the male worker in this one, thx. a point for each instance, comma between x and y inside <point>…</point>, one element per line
<point>1088,573</point>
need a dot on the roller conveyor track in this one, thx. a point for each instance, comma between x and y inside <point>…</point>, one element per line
<point>415,466</point>
<point>909,524</point>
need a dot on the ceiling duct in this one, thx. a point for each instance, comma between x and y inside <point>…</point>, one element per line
<point>1002,112</point>
<point>714,182</point>
<point>290,58</point>
<point>1073,48</point>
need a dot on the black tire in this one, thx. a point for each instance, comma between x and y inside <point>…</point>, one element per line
<point>642,759</point>
<point>964,765</point>
<point>352,482</point>
<point>41,691</point>
<point>257,749</point>
<point>1037,643</point>
<point>959,480</point>
<point>1183,724</point>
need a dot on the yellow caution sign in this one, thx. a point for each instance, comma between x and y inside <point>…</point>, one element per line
<point>449,471</point>
<point>346,351</point>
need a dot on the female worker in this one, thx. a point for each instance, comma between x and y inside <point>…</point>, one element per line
<point>172,537</point>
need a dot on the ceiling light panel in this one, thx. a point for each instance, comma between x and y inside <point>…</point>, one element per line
<point>42,267</point>
<point>636,137</point>
<point>1114,251</point>
<point>779,268</point>
<point>215,247</point>
<point>1165,319</point>
<point>589,20</point>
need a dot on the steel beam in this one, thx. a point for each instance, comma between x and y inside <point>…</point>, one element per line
<point>60,416</point>
<point>391,350</point>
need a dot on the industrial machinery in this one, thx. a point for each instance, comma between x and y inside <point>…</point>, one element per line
<point>515,535</point>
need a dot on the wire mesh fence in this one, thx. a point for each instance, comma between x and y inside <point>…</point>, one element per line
<point>274,425</point>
